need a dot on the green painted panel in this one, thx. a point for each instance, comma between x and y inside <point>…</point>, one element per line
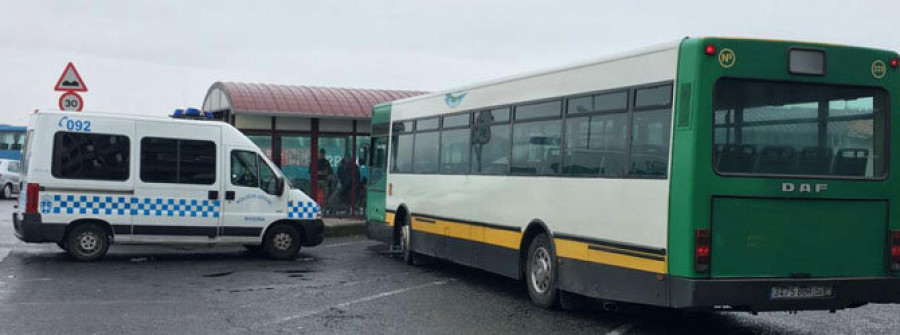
<point>377,174</point>
<point>694,183</point>
<point>785,238</point>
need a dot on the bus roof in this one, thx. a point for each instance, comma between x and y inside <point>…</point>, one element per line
<point>604,59</point>
<point>600,60</point>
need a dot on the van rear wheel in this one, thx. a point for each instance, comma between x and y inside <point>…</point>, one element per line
<point>87,242</point>
<point>282,242</point>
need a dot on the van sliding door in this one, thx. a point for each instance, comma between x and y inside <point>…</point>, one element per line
<point>179,186</point>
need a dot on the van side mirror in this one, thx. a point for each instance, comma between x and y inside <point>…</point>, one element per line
<point>279,189</point>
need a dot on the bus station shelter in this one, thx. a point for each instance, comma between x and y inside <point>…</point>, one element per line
<point>319,136</point>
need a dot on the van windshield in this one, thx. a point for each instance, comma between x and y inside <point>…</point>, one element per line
<point>799,129</point>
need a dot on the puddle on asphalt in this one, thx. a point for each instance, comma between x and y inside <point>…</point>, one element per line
<point>218,274</point>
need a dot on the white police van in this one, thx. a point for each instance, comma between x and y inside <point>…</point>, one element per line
<point>93,179</point>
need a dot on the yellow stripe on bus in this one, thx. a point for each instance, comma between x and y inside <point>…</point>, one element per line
<point>580,251</point>
<point>512,239</point>
<point>499,237</point>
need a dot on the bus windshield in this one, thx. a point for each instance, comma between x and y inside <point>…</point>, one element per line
<point>772,128</point>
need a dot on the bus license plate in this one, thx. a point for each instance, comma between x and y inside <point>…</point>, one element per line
<point>800,292</point>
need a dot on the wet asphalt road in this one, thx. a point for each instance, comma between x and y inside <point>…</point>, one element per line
<point>347,285</point>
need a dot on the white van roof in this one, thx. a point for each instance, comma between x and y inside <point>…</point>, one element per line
<point>126,117</point>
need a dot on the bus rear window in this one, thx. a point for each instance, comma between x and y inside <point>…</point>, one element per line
<point>771,128</point>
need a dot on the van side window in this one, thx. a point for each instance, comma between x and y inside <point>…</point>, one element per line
<point>244,169</point>
<point>250,170</point>
<point>90,156</point>
<point>166,160</point>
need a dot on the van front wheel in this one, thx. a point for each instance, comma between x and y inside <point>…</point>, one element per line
<point>87,242</point>
<point>282,242</point>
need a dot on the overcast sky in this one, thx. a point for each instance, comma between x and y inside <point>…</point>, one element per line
<point>150,57</point>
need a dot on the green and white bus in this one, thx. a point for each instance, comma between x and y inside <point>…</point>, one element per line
<point>706,174</point>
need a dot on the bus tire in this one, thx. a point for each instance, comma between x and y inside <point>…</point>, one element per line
<point>409,256</point>
<point>541,274</point>
<point>282,242</point>
<point>87,242</point>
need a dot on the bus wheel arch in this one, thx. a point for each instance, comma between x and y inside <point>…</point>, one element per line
<point>537,226</point>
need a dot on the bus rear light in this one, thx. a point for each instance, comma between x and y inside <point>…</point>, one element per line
<point>31,198</point>
<point>895,62</point>
<point>701,250</point>
<point>710,49</point>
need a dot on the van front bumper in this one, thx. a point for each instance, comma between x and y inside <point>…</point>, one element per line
<point>30,228</point>
<point>755,294</point>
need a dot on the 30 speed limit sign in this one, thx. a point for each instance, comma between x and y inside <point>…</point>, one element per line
<point>71,101</point>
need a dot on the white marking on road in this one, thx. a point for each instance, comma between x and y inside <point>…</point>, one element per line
<point>364,299</point>
<point>621,330</point>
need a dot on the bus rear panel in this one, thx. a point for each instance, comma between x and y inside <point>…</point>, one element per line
<point>781,196</point>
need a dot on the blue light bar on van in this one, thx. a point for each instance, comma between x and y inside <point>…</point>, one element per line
<point>192,113</point>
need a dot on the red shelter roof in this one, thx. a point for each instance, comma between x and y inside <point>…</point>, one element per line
<point>305,100</point>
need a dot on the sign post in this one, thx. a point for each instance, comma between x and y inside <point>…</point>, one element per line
<point>70,82</point>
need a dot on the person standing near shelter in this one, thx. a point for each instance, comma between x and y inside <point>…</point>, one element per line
<point>345,180</point>
<point>323,176</point>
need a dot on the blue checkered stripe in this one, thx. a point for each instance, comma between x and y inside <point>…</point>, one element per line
<point>302,210</point>
<point>128,205</point>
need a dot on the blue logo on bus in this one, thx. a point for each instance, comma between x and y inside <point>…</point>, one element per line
<point>454,99</point>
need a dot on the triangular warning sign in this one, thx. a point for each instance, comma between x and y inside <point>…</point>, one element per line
<point>70,80</point>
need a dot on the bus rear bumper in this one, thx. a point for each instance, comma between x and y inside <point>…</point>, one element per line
<point>756,294</point>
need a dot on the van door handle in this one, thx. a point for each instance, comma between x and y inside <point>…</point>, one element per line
<point>229,195</point>
<point>213,195</point>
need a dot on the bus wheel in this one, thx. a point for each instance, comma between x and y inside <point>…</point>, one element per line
<point>282,242</point>
<point>409,256</point>
<point>87,242</point>
<point>541,273</point>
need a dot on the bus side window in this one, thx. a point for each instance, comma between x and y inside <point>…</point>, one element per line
<point>650,143</point>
